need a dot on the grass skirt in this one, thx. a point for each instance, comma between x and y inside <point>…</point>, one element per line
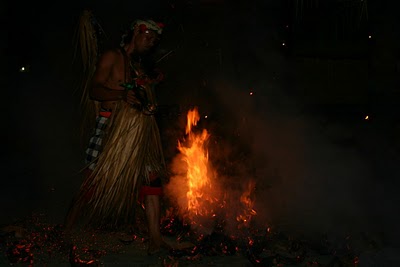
<point>132,150</point>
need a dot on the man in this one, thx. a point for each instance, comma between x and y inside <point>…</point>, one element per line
<point>124,157</point>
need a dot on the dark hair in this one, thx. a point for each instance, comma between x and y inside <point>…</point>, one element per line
<point>127,36</point>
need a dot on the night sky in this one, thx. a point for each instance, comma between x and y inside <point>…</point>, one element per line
<point>314,76</point>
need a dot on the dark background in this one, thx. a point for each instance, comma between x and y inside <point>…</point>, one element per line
<point>312,68</point>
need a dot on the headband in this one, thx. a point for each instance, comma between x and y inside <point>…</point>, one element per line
<point>148,25</point>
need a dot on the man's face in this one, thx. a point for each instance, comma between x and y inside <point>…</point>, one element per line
<point>145,40</point>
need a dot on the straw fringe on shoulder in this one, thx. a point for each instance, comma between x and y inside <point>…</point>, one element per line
<point>86,46</point>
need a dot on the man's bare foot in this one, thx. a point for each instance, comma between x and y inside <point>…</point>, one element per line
<point>126,238</point>
<point>155,248</point>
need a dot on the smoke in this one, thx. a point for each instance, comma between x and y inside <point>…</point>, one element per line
<point>313,175</point>
<point>307,184</point>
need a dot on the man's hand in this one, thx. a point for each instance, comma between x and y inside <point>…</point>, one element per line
<point>160,76</point>
<point>131,98</point>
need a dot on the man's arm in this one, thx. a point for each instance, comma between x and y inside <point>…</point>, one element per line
<point>102,89</point>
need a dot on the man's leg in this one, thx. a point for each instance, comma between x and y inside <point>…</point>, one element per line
<point>152,206</point>
<point>74,209</point>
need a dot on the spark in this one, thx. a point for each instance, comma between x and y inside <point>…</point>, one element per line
<point>25,68</point>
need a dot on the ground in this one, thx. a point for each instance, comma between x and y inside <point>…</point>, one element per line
<point>34,242</point>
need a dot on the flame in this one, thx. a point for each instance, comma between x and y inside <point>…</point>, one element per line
<point>248,203</point>
<point>198,193</point>
<point>198,172</point>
